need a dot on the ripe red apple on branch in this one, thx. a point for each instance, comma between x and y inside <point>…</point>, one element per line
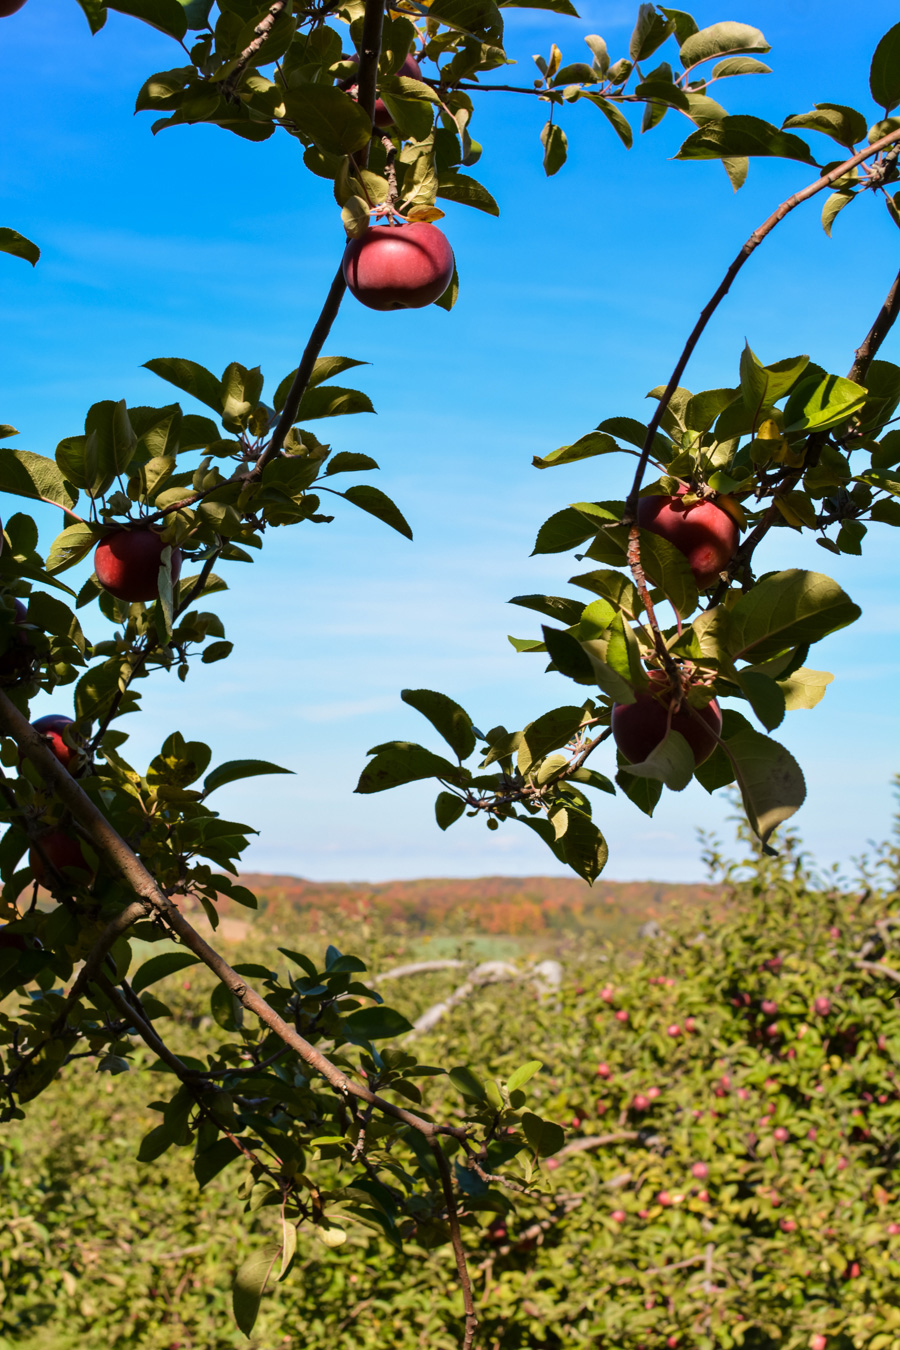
<point>8,7</point>
<point>398,266</point>
<point>19,654</point>
<point>702,531</point>
<point>62,850</point>
<point>52,726</point>
<point>127,563</point>
<point>639,727</point>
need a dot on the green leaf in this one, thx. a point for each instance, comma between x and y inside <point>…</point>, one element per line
<point>818,403</point>
<point>721,39</point>
<point>650,31</point>
<point>555,143</point>
<point>378,504</point>
<point>569,656</point>
<point>403,762</point>
<point>555,6</point>
<point>762,385</point>
<point>834,203</point>
<point>770,780</point>
<point>743,136</point>
<point>447,718</point>
<point>788,609</point>
<point>95,13</point>
<point>447,809</point>
<point>740,65</point>
<point>584,848</point>
<point>804,688</point>
<point>158,967</point>
<point>349,462</point>
<point>459,187</point>
<point>519,1077</point>
<point>884,75</point>
<point>844,125</point>
<point>234,769</point>
<point>671,763</point>
<point>564,530</point>
<point>328,116</point>
<point>594,443</point>
<point>249,1283</point>
<point>613,115</point>
<point>375,1024</point>
<point>212,1161</point>
<point>68,548</point>
<point>468,1083</point>
<point>764,696</point>
<point>481,18</point>
<point>544,1136</point>
<point>332,401</point>
<point>189,376</point>
<point>166,15</point>
<point>669,569</point>
<point>549,732</point>
<point>18,246</point>
<point>25,474</point>
<point>554,606</point>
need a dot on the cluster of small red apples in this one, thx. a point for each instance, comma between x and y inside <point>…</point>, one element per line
<point>708,537</point>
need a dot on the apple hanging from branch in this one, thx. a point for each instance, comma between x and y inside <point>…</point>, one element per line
<point>127,563</point>
<point>398,266</point>
<point>639,727</point>
<point>701,530</point>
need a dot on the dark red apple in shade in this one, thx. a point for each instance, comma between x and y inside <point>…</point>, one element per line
<point>127,563</point>
<point>639,727</point>
<point>702,531</point>
<point>63,850</point>
<point>398,266</point>
<point>11,940</point>
<point>51,728</point>
<point>382,117</point>
<point>19,655</point>
<point>8,7</point>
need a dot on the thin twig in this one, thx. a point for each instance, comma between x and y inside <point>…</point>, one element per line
<point>260,34</point>
<point>459,1250</point>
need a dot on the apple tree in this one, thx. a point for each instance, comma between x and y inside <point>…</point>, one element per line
<point>381,101</point>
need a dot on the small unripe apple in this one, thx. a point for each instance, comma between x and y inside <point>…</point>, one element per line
<point>51,727</point>
<point>700,1171</point>
<point>703,532</point>
<point>382,118</point>
<point>639,727</point>
<point>62,850</point>
<point>398,266</point>
<point>127,563</point>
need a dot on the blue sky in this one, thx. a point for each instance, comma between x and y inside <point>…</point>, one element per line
<point>572,305</point>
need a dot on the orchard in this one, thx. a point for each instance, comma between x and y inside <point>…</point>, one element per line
<point>685,660</point>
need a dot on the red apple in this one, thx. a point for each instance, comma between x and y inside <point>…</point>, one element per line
<point>640,1102</point>
<point>618,1216</point>
<point>127,563</point>
<point>51,728</point>
<point>703,532</point>
<point>673,1030</point>
<point>497,1232</point>
<point>817,1341</point>
<point>690,1024</point>
<point>700,1171</point>
<point>8,7</point>
<point>19,654</point>
<point>382,118</point>
<point>822,1005</point>
<point>63,850</point>
<point>607,993</point>
<point>769,1007</point>
<point>653,1093</point>
<point>781,1134</point>
<point>604,1071</point>
<point>787,1225</point>
<point>664,1199</point>
<point>398,266</point>
<point>639,727</point>
<point>622,1015</point>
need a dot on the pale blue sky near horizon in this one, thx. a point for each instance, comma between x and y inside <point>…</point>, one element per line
<point>572,305</point>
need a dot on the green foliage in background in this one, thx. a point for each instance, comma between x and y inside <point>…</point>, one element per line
<point>728,1176</point>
